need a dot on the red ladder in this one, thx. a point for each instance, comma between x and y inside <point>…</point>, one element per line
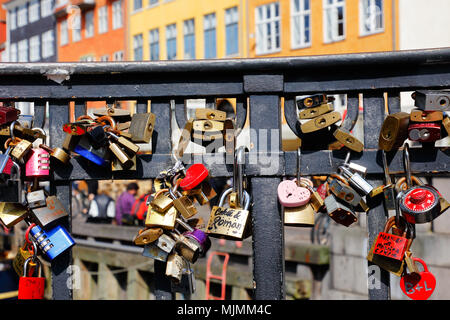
<point>222,277</point>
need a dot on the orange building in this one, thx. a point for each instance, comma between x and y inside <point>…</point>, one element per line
<point>2,28</point>
<point>89,30</point>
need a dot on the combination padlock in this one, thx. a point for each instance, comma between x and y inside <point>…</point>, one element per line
<point>38,164</point>
<point>52,242</point>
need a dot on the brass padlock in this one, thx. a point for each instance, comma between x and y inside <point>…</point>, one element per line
<point>124,143</point>
<point>203,193</point>
<point>348,140</point>
<point>446,124</point>
<point>185,138</point>
<point>426,116</point>
<point>25,252</point>
<point>12,213</point>
<point>141,127</point>
<point>70,142</point>
<point>394,131</point>
<point>164,220</point>
<point>320,122</point>
<point>302,216</point>
<point>312,101</point>
<point>116,165</point>
<point>21,149</point>
<point>57,153</point>
<point>120,155</point>
<point>175,266</point>
<point>210,114</point>
<point>207,125</point>
<point>183,204</point>
<point>316,200</point>
<point>161,202</point>
<point>311,113</point>
<point>147,236</point>
<point>5,130</point>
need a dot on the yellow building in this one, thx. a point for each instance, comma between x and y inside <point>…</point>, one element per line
<point>202,29</point>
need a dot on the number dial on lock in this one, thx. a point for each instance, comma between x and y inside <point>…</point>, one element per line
<point>291,195</point>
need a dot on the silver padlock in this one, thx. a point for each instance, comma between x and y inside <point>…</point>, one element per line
<point>187,284</point>
<point>344,192</point>
<point>339,212</point>
<point>356,181</point>
<point>160,248</point>
<point>36,199</point>
<point>175,266</point>
<point>361,170</point>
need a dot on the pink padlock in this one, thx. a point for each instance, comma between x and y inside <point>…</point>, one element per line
<point>291,195</point>
<point>9,165</point>
<point>38,164</point>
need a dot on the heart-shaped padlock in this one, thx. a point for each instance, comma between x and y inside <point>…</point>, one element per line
<point>418,286</point>
<point>195,174</point>
<point>291,195</point>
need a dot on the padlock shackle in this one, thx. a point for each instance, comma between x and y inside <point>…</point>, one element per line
<point>11,128</point>
<point>238,174</point>
<point>38,266</point>
<point>230,190</point>
<point>406,164</point>
<point>387,176</point>
<point>299,165</point>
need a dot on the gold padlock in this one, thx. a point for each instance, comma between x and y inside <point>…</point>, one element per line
<point>147,236</point>
<point>70,141</point>
<point>127,145</point>
<point>57,153</point>
<point>12,213</point>
<point>310,113</point>
<point>207,125</point>
<point>116,165</point>
<point>161,202</point>
<point>394,131</point>
<point>446,124</point>
<point>207,136</point>
<point>210,114</point>
<point>141,127</point>
<point>20,149</point>
<point>162,220</point>
<point>348,140</point>
<point>5,130</point>
<point>426,116</point>
<point>123,158</point>
<point>302,216</point>
<point>320,122</point>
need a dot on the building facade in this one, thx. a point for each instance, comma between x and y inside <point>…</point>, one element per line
<point>2,31</point>
<point>91,30</point>
<point>30,31</point>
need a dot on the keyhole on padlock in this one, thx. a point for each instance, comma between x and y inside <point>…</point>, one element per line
<point>207,125</point>
<point>349,140</point>
<point>387,135</point>
<point>322,121</point>
<point>442,102</point>
<point>211,116</point>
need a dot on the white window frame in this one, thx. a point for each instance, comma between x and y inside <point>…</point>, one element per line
<point>300,15</point>
<point>46,8</point>
<point>76,27</point>
<point>104,58</point>
<point>261,36</point>
<point>153,38</point>
<point>35,48</point>
<point>138,42</point>
<point>103,19</point>
<point>47,44</point>
<point>12,19</point>
<point>89,28</point>
<point>87,58</point>
<point>334,23</point>
<point>363,18</point>
<point>22,49</point>
<point>13,52</point>
<point>33,11</point>
<point>63,33</point>
<point>22,15</point>
<point>117,19</point>
<point>118,56</point>
<point>231,18</point>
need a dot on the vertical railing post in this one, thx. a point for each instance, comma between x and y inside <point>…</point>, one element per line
<point>268,235</point>
<point>62,289</point>
<point>376,217</point>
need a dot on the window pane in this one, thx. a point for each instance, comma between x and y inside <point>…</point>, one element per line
<point>306,4</point>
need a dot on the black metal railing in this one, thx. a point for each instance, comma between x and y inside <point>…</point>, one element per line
<point>259,86</point>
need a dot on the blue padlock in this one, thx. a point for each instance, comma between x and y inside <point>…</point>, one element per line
<point>87,151</point>
<point>52,242</point>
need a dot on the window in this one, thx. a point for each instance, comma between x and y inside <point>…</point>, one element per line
<point>22,15</point>
<point>153,3</point>
<point>87,58</point>
<point>137,4</point>
<point>103,19</point>
<point>13,52</point>
<point>209,27</point>
<point>48,44</point>
<point>137,46</point>
<point>35,48</point>
<point>231,31</point>
<point>117,14</point>
<point>12,19</point>
<point>89,24</point>
<point>153,36</point>
<point>46,8</point>
<point>171,36</point>
<point>34,10</point>
<point>334,20</point>
<point>189,39</point>
<point>63,33</point>
<point>118,56</point>
<point>104,58</point>
<point>76,27</point>
<point>23,50</point>
<point>268,28</point>
<point>371,16</point>
<point>300,23</point>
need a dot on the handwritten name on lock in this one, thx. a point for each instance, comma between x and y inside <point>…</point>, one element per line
<point>227,221</point>
<point>390,246</point>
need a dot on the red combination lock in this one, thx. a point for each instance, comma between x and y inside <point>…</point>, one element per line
<point>420,204</point>
<point>31,287</point>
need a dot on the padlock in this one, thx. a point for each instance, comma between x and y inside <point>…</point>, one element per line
<point>424,132</point>
<point>36,199</point>
<point>80,127</point>
<point>159,249</point>
<point>187,284</point>
<point>187,248</point>
<point>12,213</point>
<point>164,220</point>
<point>320,122</point>
<point>8,114</point>
<point>210,114</point>
<point>116,165</point>
<point>185,138</point>
<point>394,131</point>
<point>25,252</point>
<point>292,195</point>
<point>316,200</point>
<point>31,287</point>
<point>38,164</point>
<point>228,222</point>
<point>25,121</point>
<point>354,167</point>
<point>203,193</point>
<point>426,116</point>
<point>124,143</point>
<point>207,125</point>
<point>302,216</point>
<point>161,202</point>
<point>52,242</point>
<point>314,112</point>
<point>195,175</point>
<point>430,100</point>
<point>388,250</point>
<point>183,204</point>
<point>356,181</point>
<point>175,266</point>
<point>5,158</point>
<point>70,142</point>
<point>339,212</point>
<point>147,236</point>
<point>341,189</point>
<point>446,124</point>
<point>348,140</point>
<point>120,155</point>
<point>21,149</point>
<point>196,235</point>
<point>229,138</point>
<point>97,137</point>
<point>141,127</point>
<point>5,130</point>
<point>312,101</point>
<point>87,151</point>
<point>116,113</point>
<point>12,190</point>
<point>418,285</point>
<point>29,134</point>
<point>51,212</point>
<point>56,153</point>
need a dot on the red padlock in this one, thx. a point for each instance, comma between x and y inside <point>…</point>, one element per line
<point>418,286</point>
<point>195,175</point>
<point>390,245</point>
<point>8,114</point>
<point>424,132</point>
<point>31,287</point>
<point>38,165</point>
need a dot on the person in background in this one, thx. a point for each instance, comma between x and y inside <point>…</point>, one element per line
<point>101,209</point>
<point>124,204</point>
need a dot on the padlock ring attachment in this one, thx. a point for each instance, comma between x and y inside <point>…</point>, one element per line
<point>27,233</point>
